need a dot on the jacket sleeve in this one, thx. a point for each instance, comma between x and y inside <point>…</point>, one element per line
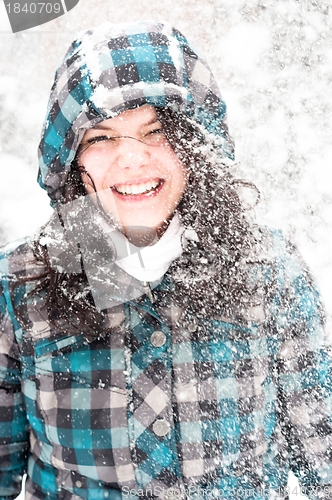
<point>305,379</point>
<point>13,421</point>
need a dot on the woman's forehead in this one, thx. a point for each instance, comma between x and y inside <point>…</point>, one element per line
<point>142,116</point>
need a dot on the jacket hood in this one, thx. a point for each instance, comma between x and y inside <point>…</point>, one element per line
<point>114,68</point>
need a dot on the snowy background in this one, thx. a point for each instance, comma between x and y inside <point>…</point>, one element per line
<point>273,61</point>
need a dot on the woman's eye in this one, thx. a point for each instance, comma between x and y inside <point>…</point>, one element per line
<point>156,134</point>
<point>99,138</point>
<point>156,131</point>
<point>155,137</point>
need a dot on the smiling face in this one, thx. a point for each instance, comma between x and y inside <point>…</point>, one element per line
<point>139,182</point>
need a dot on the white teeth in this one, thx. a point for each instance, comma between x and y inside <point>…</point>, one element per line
<point>145,187</point>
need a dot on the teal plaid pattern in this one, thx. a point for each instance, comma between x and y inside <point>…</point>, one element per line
<point>118,67</point>
<point>244,400</point>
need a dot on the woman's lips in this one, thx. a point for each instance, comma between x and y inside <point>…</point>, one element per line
<point>138,190</point>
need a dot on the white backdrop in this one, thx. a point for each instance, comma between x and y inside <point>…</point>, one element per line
<point>273,61</point>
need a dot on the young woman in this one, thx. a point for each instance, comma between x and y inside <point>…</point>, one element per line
<point>155,342</point>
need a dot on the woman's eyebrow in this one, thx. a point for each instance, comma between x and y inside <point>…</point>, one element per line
<point>100,126</point>
<point>151,122</point>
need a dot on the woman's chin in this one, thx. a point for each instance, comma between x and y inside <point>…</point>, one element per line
<point>141,236</point>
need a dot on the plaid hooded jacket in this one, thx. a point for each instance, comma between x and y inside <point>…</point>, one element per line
<point>169,406</point>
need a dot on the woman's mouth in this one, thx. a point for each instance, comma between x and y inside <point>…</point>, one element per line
<point>138,189</point>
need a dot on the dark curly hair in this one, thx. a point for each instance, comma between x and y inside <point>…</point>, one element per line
<point>212,276</point>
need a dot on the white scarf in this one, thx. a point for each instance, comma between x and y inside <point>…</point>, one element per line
<point>149,263</point>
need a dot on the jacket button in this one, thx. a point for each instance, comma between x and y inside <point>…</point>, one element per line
<point>161,427</point>
<point>158,338</point>
<point>78,484</point>
<point>192,327</point>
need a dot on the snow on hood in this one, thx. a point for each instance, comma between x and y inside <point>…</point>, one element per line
<point>117,67</point>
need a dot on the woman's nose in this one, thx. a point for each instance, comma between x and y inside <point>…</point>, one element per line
<point>132,153</point>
